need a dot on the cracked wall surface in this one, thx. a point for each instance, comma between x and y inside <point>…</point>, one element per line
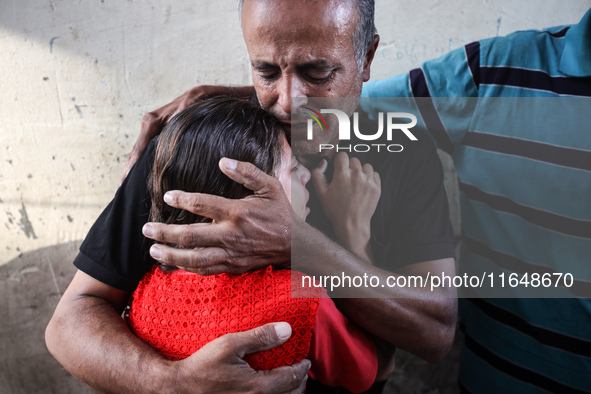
<point>76,77</point>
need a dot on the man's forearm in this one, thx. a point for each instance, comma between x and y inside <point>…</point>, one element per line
<point>89,338</point>
<point>412,318</point>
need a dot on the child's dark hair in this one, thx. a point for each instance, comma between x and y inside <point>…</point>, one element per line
<point>193,142</point>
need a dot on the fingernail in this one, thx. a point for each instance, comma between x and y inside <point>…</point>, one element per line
<point>148,231</point>
<point>283,330</point>
<point>167,198</point>
<point>156,252</point>
<point>230,164</point>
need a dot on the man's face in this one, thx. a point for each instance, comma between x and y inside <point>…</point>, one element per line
<point>300,49</point>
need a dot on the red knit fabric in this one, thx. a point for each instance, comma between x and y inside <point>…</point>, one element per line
<point>179,312</point>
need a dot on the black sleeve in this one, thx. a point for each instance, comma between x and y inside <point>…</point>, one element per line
<point>115,251</point>
<point>412,221</point>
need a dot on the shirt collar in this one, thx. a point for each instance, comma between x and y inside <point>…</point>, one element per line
<point>576,57</point>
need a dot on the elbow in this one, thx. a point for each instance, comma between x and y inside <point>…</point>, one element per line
<point>439,339</point>
<point>440,344</point>
<point>51,336</point>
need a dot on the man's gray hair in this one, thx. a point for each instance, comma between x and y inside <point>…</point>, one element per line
<point>364,32</point>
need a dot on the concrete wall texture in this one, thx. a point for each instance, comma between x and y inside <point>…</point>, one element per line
<point>76,77</point>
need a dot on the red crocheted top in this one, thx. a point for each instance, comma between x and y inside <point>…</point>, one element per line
<point>179,312</point>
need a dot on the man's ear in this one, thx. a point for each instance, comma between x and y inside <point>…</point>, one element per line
<point>369,57</point>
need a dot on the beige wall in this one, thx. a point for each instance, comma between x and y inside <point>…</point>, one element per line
<point>76,77</point>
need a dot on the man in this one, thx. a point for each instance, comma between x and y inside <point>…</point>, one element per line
<point>524,197</point>
<point>297,49</point>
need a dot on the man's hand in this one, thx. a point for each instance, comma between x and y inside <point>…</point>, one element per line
<point>246,234</point>
<point>88,337</point>
<point>153,122</point>
<point>219,367</point>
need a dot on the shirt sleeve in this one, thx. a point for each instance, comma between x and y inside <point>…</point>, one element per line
<point>115,251</point>
<point>444,92</point>
<point>342,354</point>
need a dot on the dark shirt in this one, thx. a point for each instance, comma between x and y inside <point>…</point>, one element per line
<point>411,223</point>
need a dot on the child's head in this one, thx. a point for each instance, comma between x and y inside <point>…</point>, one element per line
<point>193,142</point>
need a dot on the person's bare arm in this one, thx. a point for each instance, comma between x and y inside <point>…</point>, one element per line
<point>414,319</point>
<point>153,122</point>
<point>90,339</point>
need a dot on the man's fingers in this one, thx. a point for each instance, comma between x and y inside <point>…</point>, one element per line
<point>208,205</point>
<point>258,339</point>
<point>186,235</point>
<point>341,162</point>
<point>355,164</point>
<point>290,379</point>
<point>319,178</point>
<point>367,169</point>
<point>302,388</point>
<point>212,270</point>
<point>193,260</point>
<point>249,175</point>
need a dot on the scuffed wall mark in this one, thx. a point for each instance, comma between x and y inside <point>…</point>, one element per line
<point>59,98</point>
<point>78,108</point>
<point>25,223</point>
<point>499,24</point>
<point>73,168</point>
<point>16,276</point>
<point>45,78</point>
<point>51,44</point>
<point>9,216</point>
<point>28,270</point>
<point>48,259</point>
<point>125,76</point>
<point>69,219</point>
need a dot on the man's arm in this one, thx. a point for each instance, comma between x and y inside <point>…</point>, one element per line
<point>90,339</point>
<point>413,319</point>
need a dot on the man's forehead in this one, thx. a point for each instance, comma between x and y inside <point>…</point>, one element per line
<point>323,13</point>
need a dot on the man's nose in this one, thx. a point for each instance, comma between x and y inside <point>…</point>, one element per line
<point>292,95</point>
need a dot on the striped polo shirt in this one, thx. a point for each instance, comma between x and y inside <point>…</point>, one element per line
<point>525,199</point>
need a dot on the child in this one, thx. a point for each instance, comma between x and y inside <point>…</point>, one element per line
<point>177,312</point>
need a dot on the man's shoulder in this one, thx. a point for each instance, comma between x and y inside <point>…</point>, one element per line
<point>521,45</point>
